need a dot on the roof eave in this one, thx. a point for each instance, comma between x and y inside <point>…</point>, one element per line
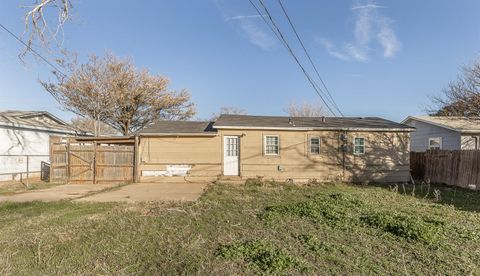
<point>29,127</point>
<point>178,134</point>
<point>316,128</point>
<point>470,131</point>
<point>431,123</point>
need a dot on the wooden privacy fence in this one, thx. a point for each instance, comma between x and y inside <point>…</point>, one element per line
<point>457,167</point>
<point>75,161</point>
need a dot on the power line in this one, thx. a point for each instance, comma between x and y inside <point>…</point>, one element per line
<point>284,42</point>
<point>308,56</point>
<point>33,50</point>
<point>282,39</point>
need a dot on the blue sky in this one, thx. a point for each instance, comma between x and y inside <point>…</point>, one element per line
<point>378,58</point>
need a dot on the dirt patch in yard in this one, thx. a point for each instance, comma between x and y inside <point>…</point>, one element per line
<point>150,192</point>
<point>59,192</point>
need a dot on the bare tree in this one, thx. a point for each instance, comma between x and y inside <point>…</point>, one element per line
<point>38,19</point>
<point>89,125</point>
<point>84,91</point>
<point>304,109</point>
<point>228,110</point>
<point>113,91</point>
<point>462,96</point>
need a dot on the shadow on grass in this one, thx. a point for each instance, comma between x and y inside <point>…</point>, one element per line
<point>461,198</point>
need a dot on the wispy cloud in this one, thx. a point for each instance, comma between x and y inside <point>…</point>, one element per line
<point>387,38</point>
<point>253,30</point>
<point>240,17</point>
<point>372,31</point>
<point>256,35</point>
<point>367,6</point>
<point>328,45</point>
<point>357,53</point>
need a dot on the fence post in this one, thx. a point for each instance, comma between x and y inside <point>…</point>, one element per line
<point>50,157</point>
<point>136,160</point>
<point>94,162</point>
<point>28,170</point>
<point>68,160</point>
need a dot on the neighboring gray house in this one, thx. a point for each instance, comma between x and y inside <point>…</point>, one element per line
<point>448,133</point>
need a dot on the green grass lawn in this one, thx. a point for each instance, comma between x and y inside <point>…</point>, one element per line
<point>251,229</point>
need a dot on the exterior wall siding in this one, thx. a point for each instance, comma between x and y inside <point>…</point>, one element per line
<point>16,143</point>
<point>203,154</point>
<point>386,158</point>
<point>419,139</point>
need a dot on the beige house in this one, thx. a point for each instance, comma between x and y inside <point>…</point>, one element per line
<point>280,148</point>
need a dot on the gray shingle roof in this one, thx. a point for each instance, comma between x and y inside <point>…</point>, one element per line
<point>180,127</point>
<point>347,123</point>
<point>35,119</point>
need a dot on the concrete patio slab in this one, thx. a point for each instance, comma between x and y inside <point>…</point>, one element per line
<point>61,192</point>
<point>150,192</point>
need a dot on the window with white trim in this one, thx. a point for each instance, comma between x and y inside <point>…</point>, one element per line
<point>314,145</point>
<point>232,146</point>
<point>435,143</point>
<point>359,145</point>
<point>271,145</point>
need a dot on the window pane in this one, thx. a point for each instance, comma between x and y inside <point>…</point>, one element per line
<point>271,144</point>
<point>435,143</point>
<point>315,145</point>
<point>359,145</point>
<point>232,146</point>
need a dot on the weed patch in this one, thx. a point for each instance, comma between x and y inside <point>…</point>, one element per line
<point>312,243</point>
<point>261,255</point>
<point>333,209</point>
<point>408,227</point>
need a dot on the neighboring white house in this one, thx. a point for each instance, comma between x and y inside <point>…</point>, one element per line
<point>26,133</point>
<point>448,133</point>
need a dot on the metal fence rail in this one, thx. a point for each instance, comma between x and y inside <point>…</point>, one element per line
<point>23,167</point>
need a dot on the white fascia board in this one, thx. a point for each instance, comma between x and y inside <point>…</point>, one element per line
<point>27,127</point>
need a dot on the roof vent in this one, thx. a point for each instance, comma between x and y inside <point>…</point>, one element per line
<point>291,122</point>
<point>323,119</point>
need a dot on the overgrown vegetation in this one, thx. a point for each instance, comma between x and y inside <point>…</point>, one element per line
<point>261,255</point>
<point>409,227</point>
<point>331,209</point>
<point>259,228</point>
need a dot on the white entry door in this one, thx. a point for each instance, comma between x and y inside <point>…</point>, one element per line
<point>230,155</point>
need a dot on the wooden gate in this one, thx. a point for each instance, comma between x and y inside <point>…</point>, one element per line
<point>95,162</point>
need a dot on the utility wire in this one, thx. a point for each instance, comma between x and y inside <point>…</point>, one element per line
<point>282,39</point>
<point>33,51</point>
<point>308,56</point>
